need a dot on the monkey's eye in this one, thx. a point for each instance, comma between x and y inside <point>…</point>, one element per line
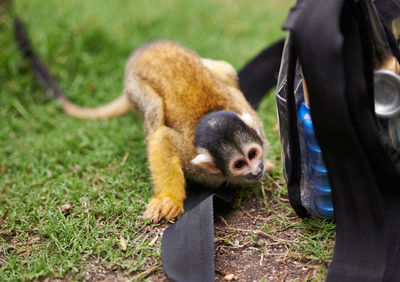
<point>240,164</point>
<point>252,154</point>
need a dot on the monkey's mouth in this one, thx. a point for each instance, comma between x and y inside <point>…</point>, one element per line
<point>255,177</point>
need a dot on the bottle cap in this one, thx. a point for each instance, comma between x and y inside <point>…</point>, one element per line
<point>387,93</point>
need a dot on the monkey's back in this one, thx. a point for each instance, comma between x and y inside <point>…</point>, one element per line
<point>188,89</point>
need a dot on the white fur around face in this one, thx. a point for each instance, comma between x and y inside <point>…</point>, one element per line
<point>205,161</point>
<point>247,119</point>
<point>201,158</point>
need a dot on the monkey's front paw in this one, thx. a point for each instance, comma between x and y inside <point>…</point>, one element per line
<point>162,207</point>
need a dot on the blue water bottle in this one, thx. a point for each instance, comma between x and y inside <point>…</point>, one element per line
<point>316,193</point>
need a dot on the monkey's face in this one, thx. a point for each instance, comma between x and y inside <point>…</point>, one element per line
<point>247,166</point>
<point>235,161</point>
<point>227,145</point>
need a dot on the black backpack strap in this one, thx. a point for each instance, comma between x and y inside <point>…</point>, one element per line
<point>188,245</point>
<point>389,9</point>
<point>187,249</point>
<point>38,67</point>
<point>259,75</point>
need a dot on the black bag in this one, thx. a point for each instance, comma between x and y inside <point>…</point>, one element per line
<point>336,43</point>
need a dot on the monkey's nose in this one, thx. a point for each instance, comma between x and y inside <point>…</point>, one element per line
<point>257,173</point>
<point>259,170</point>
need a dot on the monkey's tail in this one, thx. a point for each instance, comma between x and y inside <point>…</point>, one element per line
<point>115,108</point>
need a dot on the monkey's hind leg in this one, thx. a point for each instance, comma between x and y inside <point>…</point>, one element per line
<point>145,100</point>
<point>168,177</point>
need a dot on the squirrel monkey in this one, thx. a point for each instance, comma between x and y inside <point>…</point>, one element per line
<point>198,124</point>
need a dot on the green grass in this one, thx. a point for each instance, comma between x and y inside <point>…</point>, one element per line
<point>48,159</point>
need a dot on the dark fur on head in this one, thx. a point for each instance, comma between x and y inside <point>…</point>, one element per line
<point>222,133</point>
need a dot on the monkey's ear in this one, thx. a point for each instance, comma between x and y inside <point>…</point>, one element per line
<point>250,122</point>
<point>205,161</point>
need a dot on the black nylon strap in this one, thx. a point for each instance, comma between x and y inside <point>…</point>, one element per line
<point>40,70</point>
<point>259,75</point>
<point>195,250</point>
<point>390,9</point>
<point>187,249</point>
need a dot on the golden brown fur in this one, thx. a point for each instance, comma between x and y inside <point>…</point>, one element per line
<point>173,89</point>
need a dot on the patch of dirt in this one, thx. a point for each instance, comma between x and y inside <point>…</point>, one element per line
<point>99,272</point>
<point>14,245</point>
<point>243,249</point>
